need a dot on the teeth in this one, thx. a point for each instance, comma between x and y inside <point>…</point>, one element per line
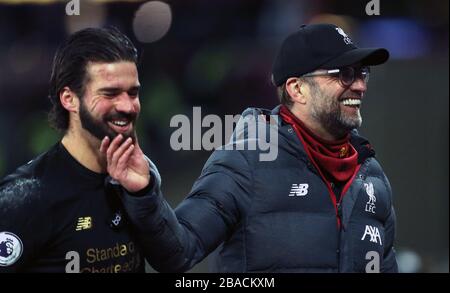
<point>351,102</point>
<point>120,123</point>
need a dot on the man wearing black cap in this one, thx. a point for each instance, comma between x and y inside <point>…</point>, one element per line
<point>323,205</point>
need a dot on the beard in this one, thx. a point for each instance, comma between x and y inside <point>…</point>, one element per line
<point>326,109</point>
<point>99,128</point>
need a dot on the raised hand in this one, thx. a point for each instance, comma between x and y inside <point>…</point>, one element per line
<point>126,163</point>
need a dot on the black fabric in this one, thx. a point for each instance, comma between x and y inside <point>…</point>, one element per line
<point>243,208</point>
<point>362,146</point>
<point>323,46</point>
<point>143,191</point>
<point>54,205</point>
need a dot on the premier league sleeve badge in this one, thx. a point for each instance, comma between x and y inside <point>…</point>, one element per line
<point>11,248</point>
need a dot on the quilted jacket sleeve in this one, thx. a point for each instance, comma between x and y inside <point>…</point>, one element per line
<point>174,241</point>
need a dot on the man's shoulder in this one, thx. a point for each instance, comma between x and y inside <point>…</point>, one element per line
<point>259,140</point>
<point>255,111</point>
<point>374,169</point>
<point>25,184</point>
<point>26,207</point>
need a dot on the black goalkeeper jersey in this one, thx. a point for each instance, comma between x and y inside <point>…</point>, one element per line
<point>58,216</point>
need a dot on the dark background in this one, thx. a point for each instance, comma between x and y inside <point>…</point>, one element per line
<point>218,54</point>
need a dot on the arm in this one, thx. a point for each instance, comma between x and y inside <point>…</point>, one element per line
<point>24,228</point>
<point>177,240</point>
<point>389,259</point>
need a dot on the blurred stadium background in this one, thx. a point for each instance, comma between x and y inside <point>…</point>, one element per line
<point>217,54</point>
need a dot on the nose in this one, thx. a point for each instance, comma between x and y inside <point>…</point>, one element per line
<point>359,85</point>
<point>126,104</point>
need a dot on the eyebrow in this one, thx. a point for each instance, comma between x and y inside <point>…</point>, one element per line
<point>117,89</point>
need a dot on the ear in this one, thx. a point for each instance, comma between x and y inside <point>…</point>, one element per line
<point>69,100</point>
<point>296,90</point>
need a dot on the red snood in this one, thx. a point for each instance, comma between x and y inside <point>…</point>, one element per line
<point>336,160</point>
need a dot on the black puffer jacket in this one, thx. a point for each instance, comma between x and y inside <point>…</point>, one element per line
<point>271,216</point>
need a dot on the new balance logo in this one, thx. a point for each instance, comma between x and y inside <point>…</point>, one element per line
<point>374,234</point>
<point>84,223</point>
<point>299,189</point>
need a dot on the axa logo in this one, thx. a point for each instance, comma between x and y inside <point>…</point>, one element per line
<point>299,189</point>
<point>373,233</point>
<point>370,205</point>
<point>347,39</point>
<point>84,223</point>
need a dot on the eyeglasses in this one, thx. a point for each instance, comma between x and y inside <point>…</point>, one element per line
<point>347,75</point>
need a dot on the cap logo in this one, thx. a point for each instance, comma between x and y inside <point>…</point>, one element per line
<point>347,39</point>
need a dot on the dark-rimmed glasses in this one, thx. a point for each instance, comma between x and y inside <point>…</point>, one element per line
<point>347,75</point>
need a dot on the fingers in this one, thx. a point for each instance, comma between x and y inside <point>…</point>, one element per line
<point>104,145</point>
<point>119,152</point>
<point>136,142</point>
<point>113,147</point>
<point>123,160</point>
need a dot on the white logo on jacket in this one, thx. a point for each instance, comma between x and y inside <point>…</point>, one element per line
<point>370,205</point>
<point>374,234</point>
<point>299,189</point>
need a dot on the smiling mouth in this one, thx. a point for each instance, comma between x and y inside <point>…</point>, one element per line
<point>120,125</point>
<point>349,102</point>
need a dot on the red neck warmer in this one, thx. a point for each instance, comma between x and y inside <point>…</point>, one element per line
<point>336,160</point>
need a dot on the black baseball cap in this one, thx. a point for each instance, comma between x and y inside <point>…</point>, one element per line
<point>324,46</point>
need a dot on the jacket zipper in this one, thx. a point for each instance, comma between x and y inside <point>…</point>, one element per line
<point>340,227</point>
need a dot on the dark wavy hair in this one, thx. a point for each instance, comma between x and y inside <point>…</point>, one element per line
<point>71,59</point>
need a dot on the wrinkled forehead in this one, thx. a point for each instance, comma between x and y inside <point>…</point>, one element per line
<point>122,74</point>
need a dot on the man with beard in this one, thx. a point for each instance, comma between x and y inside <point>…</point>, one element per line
<point>323,205</point>
<point>61,212</point>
